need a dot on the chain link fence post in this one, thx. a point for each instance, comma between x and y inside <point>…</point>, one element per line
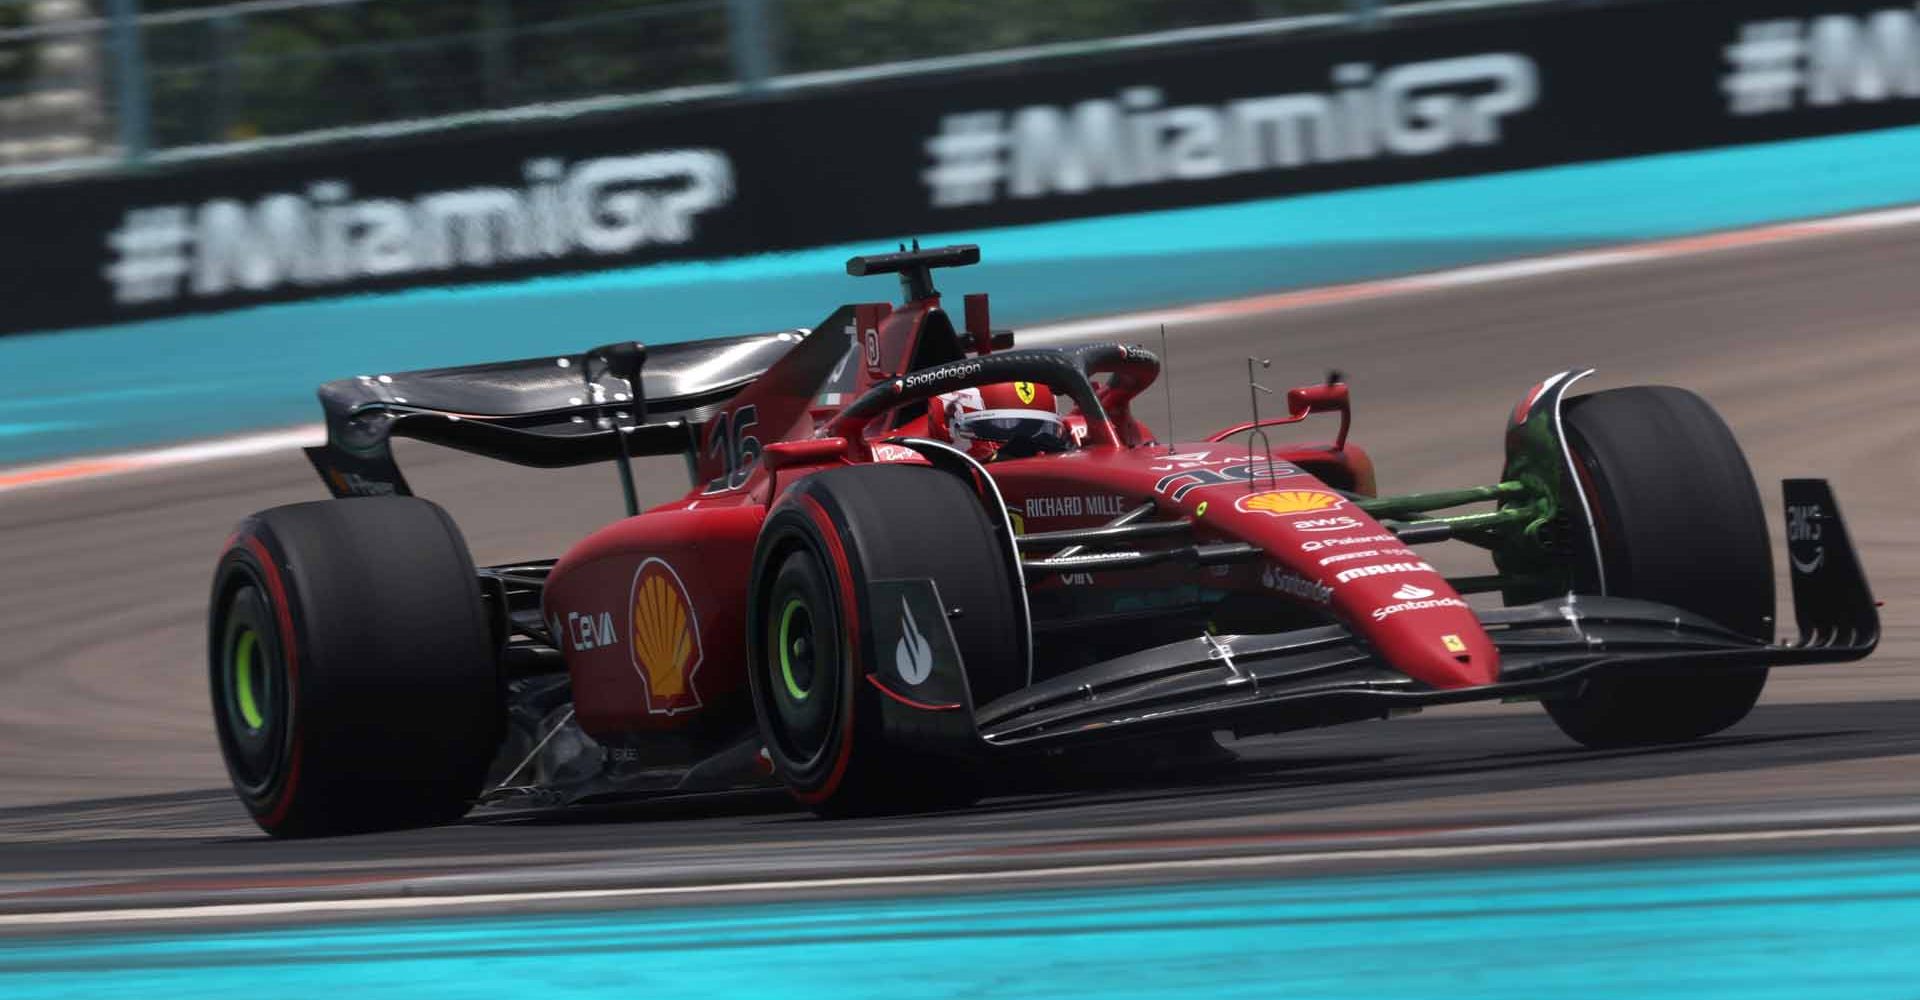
<point>496,51</point>
<point>750,33</point>
<point>226,30</point>
<point>130,80</point>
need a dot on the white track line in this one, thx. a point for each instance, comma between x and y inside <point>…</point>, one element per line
<point>1478,274</point>
<point>241,446</point>
<point>1185,867</point>
<point>1108,326</point>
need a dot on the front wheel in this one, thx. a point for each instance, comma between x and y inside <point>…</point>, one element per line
<point>815,665</point>
<point>1679,521</point>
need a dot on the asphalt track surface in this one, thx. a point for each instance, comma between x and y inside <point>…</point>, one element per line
<point>112,792</point>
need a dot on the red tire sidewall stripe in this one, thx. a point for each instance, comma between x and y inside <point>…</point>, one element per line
<point>850,631</point>
<point>289,652</point>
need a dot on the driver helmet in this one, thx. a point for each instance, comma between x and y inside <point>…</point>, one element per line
<point>1003,420</point>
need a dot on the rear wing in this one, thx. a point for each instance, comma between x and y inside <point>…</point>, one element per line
<point>548,412</point>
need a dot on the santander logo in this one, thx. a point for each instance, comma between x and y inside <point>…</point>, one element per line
<point>1411,592</point>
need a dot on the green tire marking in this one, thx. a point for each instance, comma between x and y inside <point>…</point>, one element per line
<point>786,657</point>
<point>243,679</point>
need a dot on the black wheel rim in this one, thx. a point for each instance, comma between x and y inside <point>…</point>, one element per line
<point>802,667</point>
<point>796,647</point>
<point>251,684</point>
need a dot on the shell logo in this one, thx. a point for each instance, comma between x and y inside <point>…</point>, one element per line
<point>1280,503</point>
<point>666,638</point>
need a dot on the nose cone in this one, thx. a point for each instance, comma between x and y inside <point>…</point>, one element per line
<point>1422,627</point>
<point>1326,550</point>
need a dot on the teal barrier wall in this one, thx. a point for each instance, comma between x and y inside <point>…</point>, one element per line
<point>122,386</point>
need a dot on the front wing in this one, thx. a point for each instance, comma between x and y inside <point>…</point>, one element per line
<point>1326,675</point>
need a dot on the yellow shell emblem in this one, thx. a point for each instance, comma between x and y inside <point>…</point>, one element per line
<point>666,638</point>
<point>1280,503</point>
<point>1025,391</point>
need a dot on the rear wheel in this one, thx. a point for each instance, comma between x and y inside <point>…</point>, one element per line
<point>353,673</point>
<point>813,644</point>
<point>1679,521</point>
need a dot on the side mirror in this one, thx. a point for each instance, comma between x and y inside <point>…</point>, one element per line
<point>812,451</point>
<point>1328,397</point>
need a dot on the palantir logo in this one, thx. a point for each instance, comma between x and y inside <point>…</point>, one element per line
<point>1835,59</point>
<point>324,236</point>
<point>1417,109</point>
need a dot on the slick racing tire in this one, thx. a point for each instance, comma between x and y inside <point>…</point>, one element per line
<point>812,637</point>
<point>354,676</point>
<point>1679,521</point>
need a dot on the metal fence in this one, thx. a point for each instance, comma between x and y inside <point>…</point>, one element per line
<point>106,82</point>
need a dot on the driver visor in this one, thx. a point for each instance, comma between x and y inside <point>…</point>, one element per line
<point>1002,426</point>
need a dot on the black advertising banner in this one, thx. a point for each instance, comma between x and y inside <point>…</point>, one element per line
<point>428,209</point>
<point>1508,89</point>
<point>1144,128</point>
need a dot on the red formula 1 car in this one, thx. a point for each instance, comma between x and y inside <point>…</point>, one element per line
<point>911,551</point>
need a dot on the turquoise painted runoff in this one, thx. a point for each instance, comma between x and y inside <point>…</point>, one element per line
<point>1796,928</point>
<point>114,387</point>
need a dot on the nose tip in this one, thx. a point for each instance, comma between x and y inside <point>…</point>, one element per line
<point>1463,669</point>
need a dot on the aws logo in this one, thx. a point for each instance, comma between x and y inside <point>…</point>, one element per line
<point>1280,503</point>
<point>666,638</point>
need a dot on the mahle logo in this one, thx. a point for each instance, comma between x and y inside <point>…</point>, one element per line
<point>1385,569</point>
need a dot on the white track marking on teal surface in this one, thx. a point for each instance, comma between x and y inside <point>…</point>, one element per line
<point>1826,927</point>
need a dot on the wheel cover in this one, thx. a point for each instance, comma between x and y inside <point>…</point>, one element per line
<point>247,682</point>
<point>802,669</point>
<point>796,649</point>
<point>253,691</point>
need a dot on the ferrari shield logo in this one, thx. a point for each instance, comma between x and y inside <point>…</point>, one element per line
<point>666,638</point>
<point>1453,644</point>
<point>1280,503</point>
<point>1025,391</point>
